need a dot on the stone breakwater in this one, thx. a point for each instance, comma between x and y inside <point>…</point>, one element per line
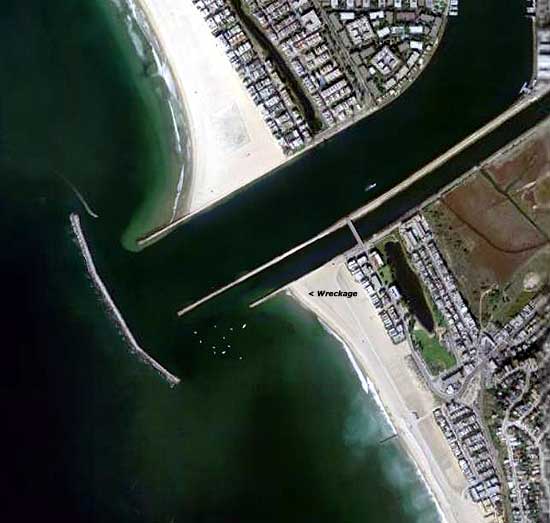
<point>115,313</point>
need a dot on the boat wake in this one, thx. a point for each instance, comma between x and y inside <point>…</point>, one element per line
<point>79,195</point>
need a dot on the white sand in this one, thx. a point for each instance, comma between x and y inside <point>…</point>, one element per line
<point>401,391</point>
<point>232,145</point>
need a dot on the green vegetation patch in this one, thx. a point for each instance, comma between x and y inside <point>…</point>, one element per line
<point>437,358</point>
<point>492,414</point>
<point>542,192</point>
<point>437,314</point>
<point>506,313</point>
<point>387,274</point>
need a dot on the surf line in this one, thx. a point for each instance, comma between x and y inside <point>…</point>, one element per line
<point>113,309</point>
<point>179,190</point>
<point>83,201</point>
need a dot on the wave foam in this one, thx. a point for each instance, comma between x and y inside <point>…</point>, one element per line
<point>366,383</point>
<point>368,387</point>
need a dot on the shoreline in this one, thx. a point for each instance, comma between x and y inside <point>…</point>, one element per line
<point>183,117</point>
<point>362,374</point>
<point>143,36</point>
<point>230,143</point>
<point>366,382</point>
<point>363,377</point>
<point>409,405</point>
<point>378,400</point>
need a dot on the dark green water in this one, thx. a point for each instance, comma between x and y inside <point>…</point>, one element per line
<point>277,428</point>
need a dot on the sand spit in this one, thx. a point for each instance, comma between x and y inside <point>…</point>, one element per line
<point>115,313</point>
<point>148,48</point>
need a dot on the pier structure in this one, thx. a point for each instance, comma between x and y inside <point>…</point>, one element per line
<point>388,438</point>
<point>355,233</point>
<point>260,269</point>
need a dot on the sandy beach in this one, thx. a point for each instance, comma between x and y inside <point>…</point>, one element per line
<point>231,144</point>
<point>406,399</point>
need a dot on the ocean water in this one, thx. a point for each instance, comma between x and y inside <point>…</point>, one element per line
<point>270,422</point>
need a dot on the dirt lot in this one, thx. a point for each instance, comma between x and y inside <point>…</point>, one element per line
<point>523,172</point>
<point>494,228</point>
<point>489,244</point>
<point>520,165</point>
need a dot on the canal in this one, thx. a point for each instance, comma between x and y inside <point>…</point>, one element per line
<point>450,100</point>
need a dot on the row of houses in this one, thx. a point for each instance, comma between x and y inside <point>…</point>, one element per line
<point>520,423</point>
<point>344,56</point>
<point>518,386</point>
<point>462,429</point>
<point>519,334</point>
<point>399,5</point>
<point>386,299</point>
<point>259,76</point>
<point>461,335</point>
<point>386,41</point>
<point>523,473</point>
<point>300,32</point>
<point>542,8</point>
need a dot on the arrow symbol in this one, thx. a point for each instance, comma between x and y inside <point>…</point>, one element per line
<point>311,293</point>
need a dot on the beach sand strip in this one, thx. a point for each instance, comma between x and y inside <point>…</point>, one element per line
<point>406,399</point>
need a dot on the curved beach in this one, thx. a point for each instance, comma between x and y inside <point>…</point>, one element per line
<point>231,144</point>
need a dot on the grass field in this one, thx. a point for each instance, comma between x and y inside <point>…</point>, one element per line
<point>437,358</point>
<point>386,274</point>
